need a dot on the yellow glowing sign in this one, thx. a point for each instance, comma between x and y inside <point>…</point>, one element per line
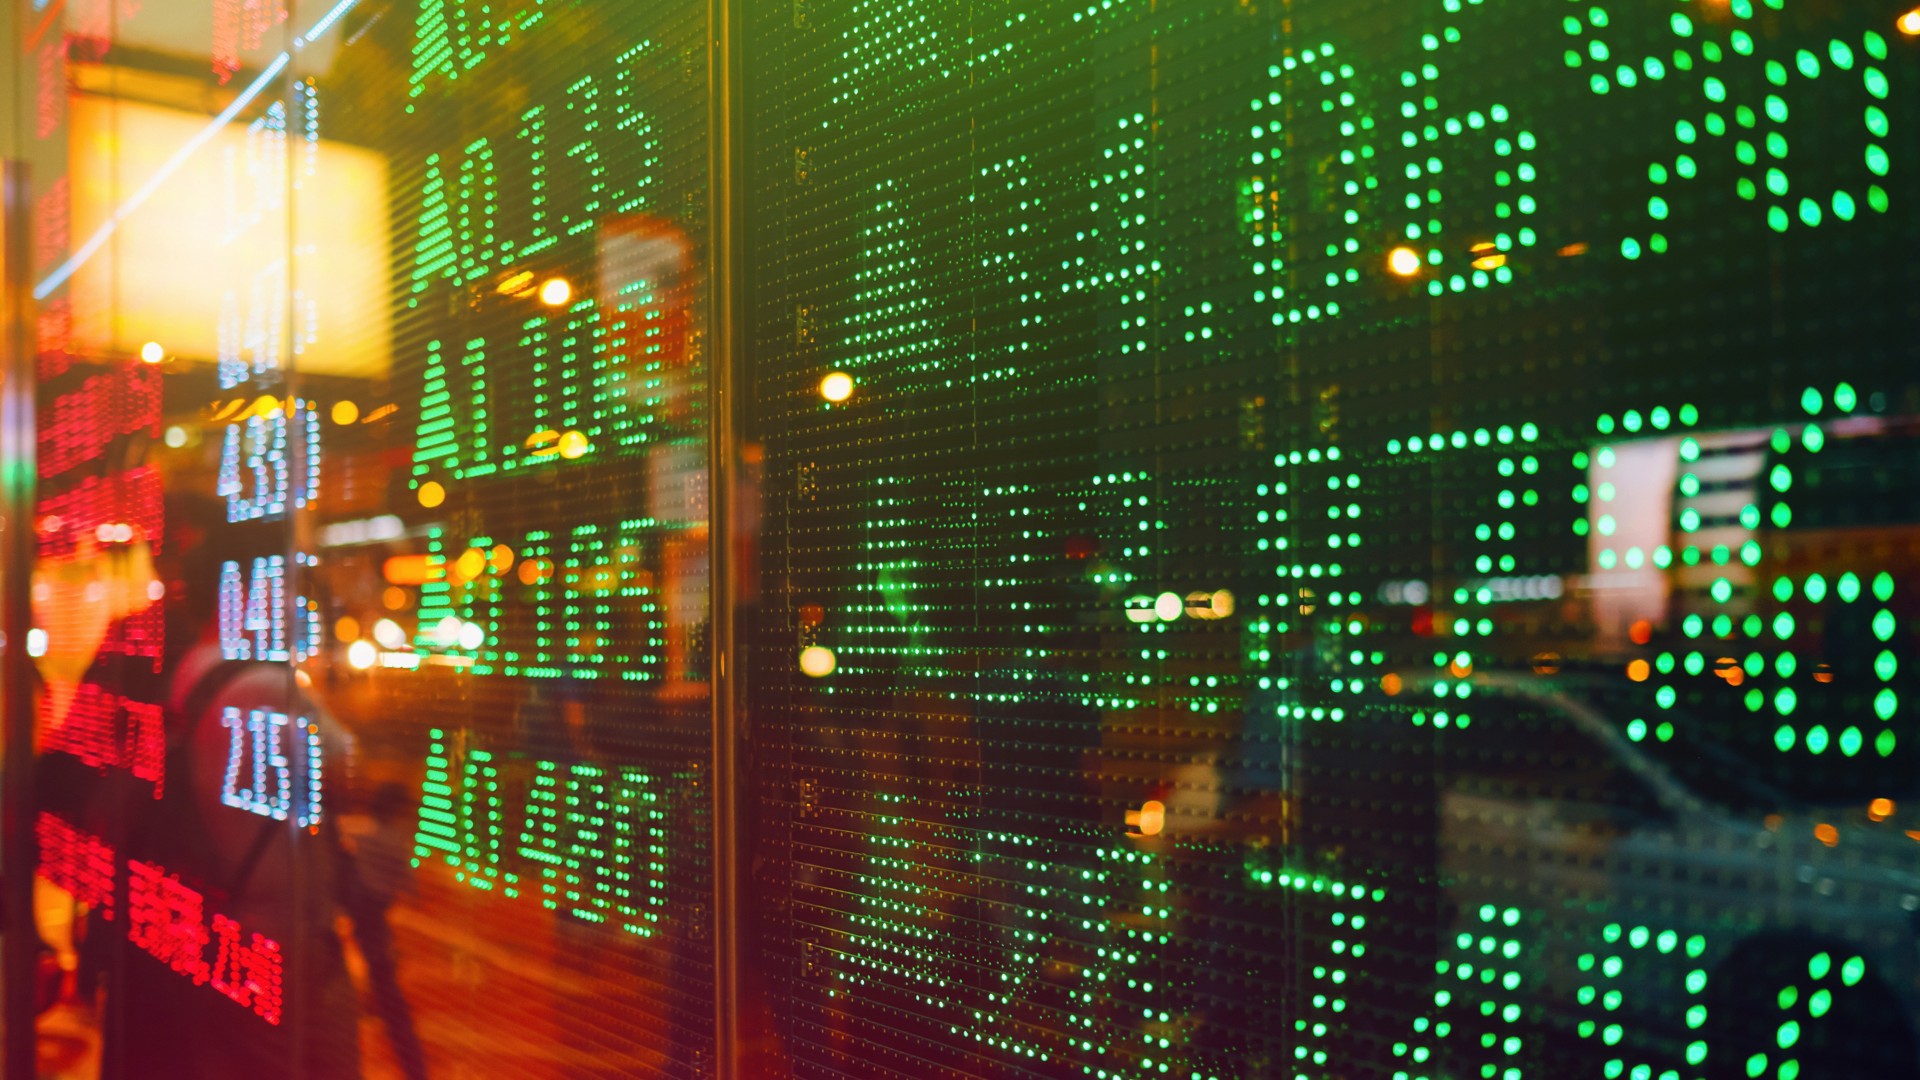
<point>188,262</point>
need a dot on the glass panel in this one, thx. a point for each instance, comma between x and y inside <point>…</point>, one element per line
<point>1336,538</point>
<point>516,571</point>
<point>373,584</point>
<point>185,824</point>
<point>1308,538</point>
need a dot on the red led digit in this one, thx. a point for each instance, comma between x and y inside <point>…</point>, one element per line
<point>77,861</point>
<point>167,920</point>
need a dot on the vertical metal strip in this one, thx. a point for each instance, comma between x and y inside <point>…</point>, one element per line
<point>18,854</point>
<point>300,998</point>
<point>724,315</point>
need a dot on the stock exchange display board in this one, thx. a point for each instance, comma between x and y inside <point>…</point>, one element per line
<point>374,722</point>
<point>1356,538</point>
<point>1264,538</point>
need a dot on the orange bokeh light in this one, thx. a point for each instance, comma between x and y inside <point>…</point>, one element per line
<point>471,564</point>
<point>412,569</point>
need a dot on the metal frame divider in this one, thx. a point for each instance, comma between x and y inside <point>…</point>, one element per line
<point>725,316</point>
<point>18,945</point>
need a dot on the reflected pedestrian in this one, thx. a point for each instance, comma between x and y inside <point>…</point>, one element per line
<point>381,872</point>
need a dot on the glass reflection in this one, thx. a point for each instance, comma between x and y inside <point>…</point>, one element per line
<point>1305,538</point>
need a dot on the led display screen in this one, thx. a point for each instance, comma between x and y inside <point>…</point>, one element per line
<point>1353,539</point>
<point>372,586</point>
<point>1220,539</point>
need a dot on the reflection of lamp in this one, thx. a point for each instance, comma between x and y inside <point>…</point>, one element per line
<point>1150,819</point>
<point>837,386</point>
<point>1208,606</point>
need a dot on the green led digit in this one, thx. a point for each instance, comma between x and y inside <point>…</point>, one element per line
<point>1751,87</point>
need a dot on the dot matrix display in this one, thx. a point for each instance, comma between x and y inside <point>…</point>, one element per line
<point>540,634</point>
<point>1337,511</point>
<point>1296,539</point>
<point>441,517</point>
<point>591,840</point>
<point>1754,116</point>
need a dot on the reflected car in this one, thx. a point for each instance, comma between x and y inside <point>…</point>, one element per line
<point>1643,903</point>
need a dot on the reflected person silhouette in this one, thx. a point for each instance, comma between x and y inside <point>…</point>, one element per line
<point>378,873</point>
<point>220,958</point>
